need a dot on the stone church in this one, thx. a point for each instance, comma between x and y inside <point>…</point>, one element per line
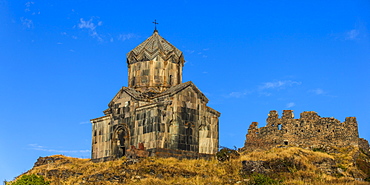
<point>156,112</point>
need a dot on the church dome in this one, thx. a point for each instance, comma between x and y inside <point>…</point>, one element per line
<point>153,47</point>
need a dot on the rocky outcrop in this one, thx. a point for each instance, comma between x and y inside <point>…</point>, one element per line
<point>364,146</point>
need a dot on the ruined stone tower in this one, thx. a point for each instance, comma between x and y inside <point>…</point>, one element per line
<point>156,111</point>
<point>310,130</point>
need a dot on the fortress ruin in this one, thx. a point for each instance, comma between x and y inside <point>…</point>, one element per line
<point>310,130</point>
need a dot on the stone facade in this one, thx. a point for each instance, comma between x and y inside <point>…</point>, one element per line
<point>309,130</point>
<point>156,111</point>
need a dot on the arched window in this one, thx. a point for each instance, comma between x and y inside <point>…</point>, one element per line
<point>133,81</point>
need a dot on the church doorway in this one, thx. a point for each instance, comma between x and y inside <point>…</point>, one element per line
<point>120,142</point>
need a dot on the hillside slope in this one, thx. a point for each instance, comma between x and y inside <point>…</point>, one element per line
<point>276,166</point>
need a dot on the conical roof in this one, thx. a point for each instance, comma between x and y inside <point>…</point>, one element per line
<point>152,47</point>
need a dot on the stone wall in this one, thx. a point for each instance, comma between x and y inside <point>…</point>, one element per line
<point>156,75</point>
<point>101,137</point>
<point>309,130</point>
<point>196,124</point>
<point>180,154</point>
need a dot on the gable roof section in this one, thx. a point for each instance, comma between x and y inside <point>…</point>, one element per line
<point>178,88</point>
<point>211,110</point>
<point>130,91</point>
<point>155,46</point>
<point>133,93</point>
<point>171,91</point>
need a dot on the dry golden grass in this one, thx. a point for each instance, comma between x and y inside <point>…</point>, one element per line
<point>152,171</point>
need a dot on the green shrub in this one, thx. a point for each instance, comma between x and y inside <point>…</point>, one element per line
<point>260,179</point>
<point>318,150</point>
<point>30,180</point>
<point>342,167</point>
<point>225,154</point>
<point>367,179</point>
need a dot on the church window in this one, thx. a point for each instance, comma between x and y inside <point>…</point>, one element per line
<point>279,126</point>
<point>118,110</point>
<point>145,72</point>
<point>133,81</point>
<point>189,131</point>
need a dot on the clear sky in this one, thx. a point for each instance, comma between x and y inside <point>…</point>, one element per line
<point>63,61</point>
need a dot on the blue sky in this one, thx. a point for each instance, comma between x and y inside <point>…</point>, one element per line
<point>63,61</point>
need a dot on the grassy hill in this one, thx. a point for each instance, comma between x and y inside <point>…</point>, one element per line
<point>289,165</point>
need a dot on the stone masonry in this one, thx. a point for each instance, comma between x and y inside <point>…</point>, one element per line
<point>156,111</point>
<point>309,130</point>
